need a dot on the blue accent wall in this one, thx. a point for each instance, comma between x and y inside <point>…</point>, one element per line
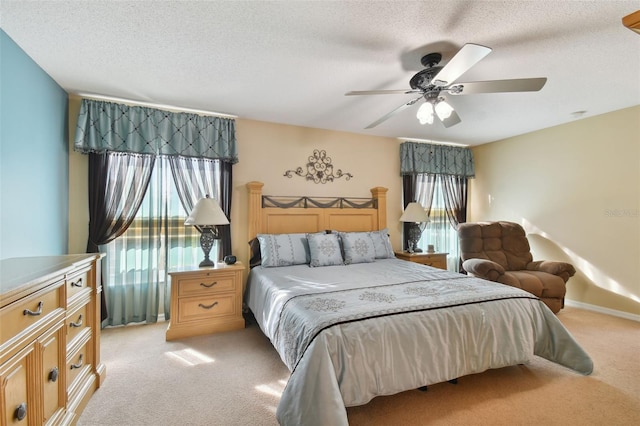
<point>34,157</point>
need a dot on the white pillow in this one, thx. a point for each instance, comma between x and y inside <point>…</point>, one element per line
<point>358,247</point>
<point>283,249</point>
<point>324,250</point>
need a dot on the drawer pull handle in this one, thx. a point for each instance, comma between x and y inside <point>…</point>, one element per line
<point>79,364</point>
<point>209,285</point>
<point>21,412</point>
<point>76,324</point>
<point>207,307</point>
<point>53,374</point>
<point>34,313</point>
<point>76,283</point>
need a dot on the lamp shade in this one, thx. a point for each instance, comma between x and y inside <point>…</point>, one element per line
<point>207,212</point>
<point>425,113</point>
<point>414,212</point>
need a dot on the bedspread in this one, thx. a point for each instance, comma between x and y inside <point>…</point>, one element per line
<point>350,333</point>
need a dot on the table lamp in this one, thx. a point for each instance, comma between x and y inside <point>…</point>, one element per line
<point>414,215</point>
<point>206,215</point>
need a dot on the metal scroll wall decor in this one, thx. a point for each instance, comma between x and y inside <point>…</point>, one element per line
<point>319,169</point>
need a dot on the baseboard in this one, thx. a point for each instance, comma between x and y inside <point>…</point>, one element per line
<point>600,309</point>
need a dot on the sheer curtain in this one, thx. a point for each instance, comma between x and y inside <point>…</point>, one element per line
<point>439,231</point>
<point>197,177</point>
<point>117,184</point>
<point>137,263</point>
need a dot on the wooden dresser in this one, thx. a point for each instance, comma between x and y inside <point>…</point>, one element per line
<point>49,338</point>
<point>437,260</point>
<point>205,300</point>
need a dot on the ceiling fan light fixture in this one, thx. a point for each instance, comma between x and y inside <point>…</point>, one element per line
<point>425,113</point>
<point>443,109</point>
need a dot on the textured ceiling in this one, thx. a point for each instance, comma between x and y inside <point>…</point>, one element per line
<point>292,61</point>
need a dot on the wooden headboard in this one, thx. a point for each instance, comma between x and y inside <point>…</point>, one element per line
<point>302,214</point>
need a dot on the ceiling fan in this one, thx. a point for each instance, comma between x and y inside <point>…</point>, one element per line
<point>434,81</point>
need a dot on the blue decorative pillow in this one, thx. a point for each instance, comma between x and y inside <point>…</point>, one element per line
<point>283,249</point>
<point>358,247</point>
<point>382,244</point>
<point>324,250</point>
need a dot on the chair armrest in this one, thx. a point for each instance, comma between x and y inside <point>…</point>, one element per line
<point>562,269</point>
<point>483,268</point>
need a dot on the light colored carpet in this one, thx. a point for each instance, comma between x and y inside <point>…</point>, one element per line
<point>235,378</point>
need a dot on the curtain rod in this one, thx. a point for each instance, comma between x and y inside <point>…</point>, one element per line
<point>154,105</point>
<point>433,142</point>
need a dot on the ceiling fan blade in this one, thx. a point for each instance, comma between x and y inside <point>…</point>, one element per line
<point>381,92</point>
<point>392,113</point>
<point>499,86</point>
<point>468,56</point>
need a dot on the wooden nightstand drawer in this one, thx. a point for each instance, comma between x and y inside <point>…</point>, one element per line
<point>198,308</point>
<point>435,260</point>
<point>205,300</point>
<point>206,284</point>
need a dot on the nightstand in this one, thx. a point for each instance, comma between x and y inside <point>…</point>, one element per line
<point>437,260</point>
<point>205,300</point>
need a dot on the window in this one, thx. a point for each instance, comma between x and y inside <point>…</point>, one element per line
<point>137,263</point>
<point>439,231</point>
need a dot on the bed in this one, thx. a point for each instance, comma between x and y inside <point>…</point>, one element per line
<point>377,325</point>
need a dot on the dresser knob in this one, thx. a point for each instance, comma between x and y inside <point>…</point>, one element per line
<point>21,412</point>
<point>209,285</point>
<point>53,374</point>
<point>76,283</point>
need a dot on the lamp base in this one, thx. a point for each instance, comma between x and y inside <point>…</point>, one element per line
<point>207,237</point>
<point>207,262</point>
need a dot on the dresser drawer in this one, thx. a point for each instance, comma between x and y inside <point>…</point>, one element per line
<point>76,322</point>
<point>26,314</point>
<point>77,284</point>
<point>202,308</point>
<point>78,365</point>
<point>206,284</point>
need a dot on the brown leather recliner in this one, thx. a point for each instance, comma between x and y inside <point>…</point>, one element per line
<point>500,252</point>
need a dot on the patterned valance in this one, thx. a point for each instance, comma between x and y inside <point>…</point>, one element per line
<point>416,158</point>
<point>106,126</point>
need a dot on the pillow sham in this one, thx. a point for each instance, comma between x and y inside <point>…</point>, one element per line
<point>382,244</point>
<point>324,250</point>
<point>358,247</point>
<point>283,249</point>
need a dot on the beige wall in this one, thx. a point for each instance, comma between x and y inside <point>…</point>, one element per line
<point>266,151</point>
<point>576,190</point>
<point>78,187</point>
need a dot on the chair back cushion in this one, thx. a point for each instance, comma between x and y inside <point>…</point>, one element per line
<point>502,242</point>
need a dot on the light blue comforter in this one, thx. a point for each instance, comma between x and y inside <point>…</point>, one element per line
<point>350,333</point>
